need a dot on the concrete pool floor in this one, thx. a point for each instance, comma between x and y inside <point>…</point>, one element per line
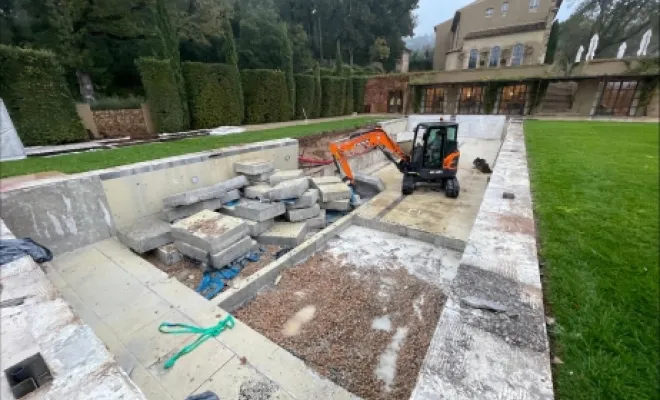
<point>431,211</point>
<point>362,288</point>
<point>124,299</point>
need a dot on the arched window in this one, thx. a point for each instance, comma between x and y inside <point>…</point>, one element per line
<point>495,56</point>
<point>517,54</point>
<point>472,62</point>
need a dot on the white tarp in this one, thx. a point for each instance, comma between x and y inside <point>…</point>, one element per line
<point>476,126</point>
<point>226,130</point>
<point>11,147</point>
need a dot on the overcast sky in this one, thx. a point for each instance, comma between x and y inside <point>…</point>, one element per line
<point>432,12</point>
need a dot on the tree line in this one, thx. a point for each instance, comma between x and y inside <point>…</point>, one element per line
<point>98,41</point>
<point>615,21</point>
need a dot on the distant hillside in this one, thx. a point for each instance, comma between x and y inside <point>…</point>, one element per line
<point>420,42</point>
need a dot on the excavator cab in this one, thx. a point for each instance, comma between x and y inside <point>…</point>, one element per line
<point>434,158</point>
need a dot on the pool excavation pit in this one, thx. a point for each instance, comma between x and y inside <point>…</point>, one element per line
<point>332,298</point>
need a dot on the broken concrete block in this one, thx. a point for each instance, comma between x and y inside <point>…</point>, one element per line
<point>257,228</point>
<point>205,193</point>
<point>291,189</point>
<point>253,167</point>
<point>368,185</point>
<point>285,234</point>
<point>260,179</point>
<point>324,180</point>
<point>259,192</point>
<point>255,210</point>
<point>146,234</point>
<point>191,251</point>
<point>281,176</point>
<point>175,213</point>
<point>308,199</point>
<point>302,214</point>
<point>317,222</point>
<point>168,254</point>
<point>210,231</point>
<point>231,253</point>
<point>337,205</point>
<point>334,191</point>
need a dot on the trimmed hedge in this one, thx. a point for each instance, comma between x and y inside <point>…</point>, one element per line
<point>327,72</point>
<point>305,96</point>
<point>317,92</point>
<point>348,95</point>
<point>163,95</point>
<point>213,94</point>
<point>359,83</point>
<point>265,95</point>
<point>332,96</point>
<point>37,97</point>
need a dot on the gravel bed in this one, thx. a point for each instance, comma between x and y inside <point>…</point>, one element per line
<point>369,331</point>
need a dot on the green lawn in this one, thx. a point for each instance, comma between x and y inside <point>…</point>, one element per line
<point>595,187</point>
<point>82,162</point>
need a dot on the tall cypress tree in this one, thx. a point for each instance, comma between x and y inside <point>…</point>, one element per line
<point>552,43</point>
<point>317,91</point>
<point>287,66</point>
<point>338,60</point>
<point>170,46</point>
<point>231,56</point>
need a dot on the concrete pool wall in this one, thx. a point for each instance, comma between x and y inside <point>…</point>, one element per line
<point>69,212</point>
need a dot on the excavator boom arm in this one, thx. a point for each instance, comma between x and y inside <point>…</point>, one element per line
<point>365,141</point>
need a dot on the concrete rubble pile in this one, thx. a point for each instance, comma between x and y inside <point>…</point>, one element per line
<point>221,223</point>
<point>212,238</point>
<point>289,206</point>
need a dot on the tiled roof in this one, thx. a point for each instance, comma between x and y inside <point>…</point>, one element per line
<point>506,30</point>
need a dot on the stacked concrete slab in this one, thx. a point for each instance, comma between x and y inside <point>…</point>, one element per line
<point>282,209</point>
<point>213,238</point>
<point>185,204</point>
<point>335,195</point>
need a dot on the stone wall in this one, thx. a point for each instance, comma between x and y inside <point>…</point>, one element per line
<point>119,123</point>
<point>378,88</point>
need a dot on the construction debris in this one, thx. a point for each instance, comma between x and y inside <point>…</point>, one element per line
<point>168,254</point>
<point>281,176</point>
<point>254,210</point>
<point>145,235</point>
<point>205,193</point>
<point>482,165</point>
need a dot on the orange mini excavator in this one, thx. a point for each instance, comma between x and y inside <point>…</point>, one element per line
<point>433,160</point>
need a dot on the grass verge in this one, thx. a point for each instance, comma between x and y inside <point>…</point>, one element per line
<point>82,162</point>
<point>595,188</point>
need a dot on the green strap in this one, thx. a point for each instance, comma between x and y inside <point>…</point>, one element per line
<point>204,334</point>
